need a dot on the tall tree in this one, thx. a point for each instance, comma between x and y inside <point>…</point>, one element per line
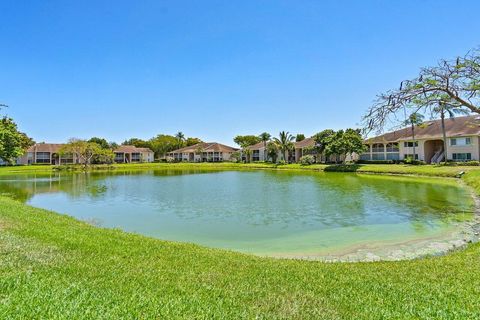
<point>180,139</point>
<point>272,151</point>
<point>162,144</point>
<point>192,141</point>
<point>265,137</point>
<point>322,139</point>
<point>343,143</point>
<point>139,143</point>
<point>103,143</point>
<point>84,151</point>
<point>452,83</point>
<point>246,141</point>
<point>13,143</point>
<point>415,119</point>
<point>299,137</point>
<point>284,143</point>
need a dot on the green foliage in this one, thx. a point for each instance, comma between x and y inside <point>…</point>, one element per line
<point>101,142</point>
<point>265,137</point>
<point>299,137</point>
<point>236,156</point>
<point>307,160</point>
<point>410,160</point>
<point>246,141</point>
<point>284,143</point>
<point>162,144</point>
<point>180,137</point>
<point>83,151</point>
<point>103,156</point>
<point>340,143</point>
<point>248,154</point>
<point>13,143</point>
<point>272,151</point>
<point>139,143</point>
<point>323,138</point>
<point>192,141</point>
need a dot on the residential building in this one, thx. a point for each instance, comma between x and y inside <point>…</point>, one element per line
<point>46,153</point>
<point>463,142</point>
<point>132,154</point>
<point>203,152</point>
<point>49,153</point>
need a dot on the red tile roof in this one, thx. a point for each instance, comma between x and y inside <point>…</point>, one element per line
<point>46,147</point>
<point>131,149</point>
<point>461,126</point>
<point>307,142</point>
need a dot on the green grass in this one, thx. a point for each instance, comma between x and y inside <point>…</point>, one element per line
<point>53,266</point>
<point>425,170</point>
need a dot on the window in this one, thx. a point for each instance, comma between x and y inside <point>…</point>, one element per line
<point>365,156</point>
<point>43,157</point>
<point>393,156</point>
<point>462,156</point>
<point>378,156</point>
<point>460,141</point>
<point>392,147</point>
<point>409,144</point>
<point>136,157</point>
<point>378,147</point>
<point>67,158</point>
<point>119,157</point>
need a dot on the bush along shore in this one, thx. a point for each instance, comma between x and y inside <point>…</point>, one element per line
<point>53,266</point>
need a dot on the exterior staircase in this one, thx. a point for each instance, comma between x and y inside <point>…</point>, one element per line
<point>438,156</point>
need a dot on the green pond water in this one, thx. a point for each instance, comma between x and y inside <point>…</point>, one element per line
<point>260,212</point>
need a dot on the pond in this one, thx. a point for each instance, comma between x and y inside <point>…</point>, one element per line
<point>273,213</point>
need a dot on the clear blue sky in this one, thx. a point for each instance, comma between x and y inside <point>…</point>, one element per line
<point>214,69</point>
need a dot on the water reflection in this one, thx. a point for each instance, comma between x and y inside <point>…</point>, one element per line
<point>232,208</point>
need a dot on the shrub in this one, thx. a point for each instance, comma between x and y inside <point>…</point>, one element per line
<point>281,163</point>
<point>470,163</point>
<point>453,163</point>
<point>409,160</point>
<point>307,160</point>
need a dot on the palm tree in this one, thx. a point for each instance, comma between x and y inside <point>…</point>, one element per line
<point>180,138</point>
<point>285,143</point>
<point>446,109</point>
<point>265,137</point>
<point>415,119</point>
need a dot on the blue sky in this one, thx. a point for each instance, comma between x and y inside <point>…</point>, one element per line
<point>215,69</point>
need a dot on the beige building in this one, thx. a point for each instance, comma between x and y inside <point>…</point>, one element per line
<point>49,153</point>
<point>203,152</point>
<point>463,142</point>
<point>46,153</point>
<point>132,154</point>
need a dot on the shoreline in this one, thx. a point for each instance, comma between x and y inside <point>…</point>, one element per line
<point>369,250</point>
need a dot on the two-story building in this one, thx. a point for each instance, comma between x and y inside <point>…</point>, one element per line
<point>463,142</point>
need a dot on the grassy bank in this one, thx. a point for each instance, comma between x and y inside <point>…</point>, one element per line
<point>53,266</point>
<point>424,170</point>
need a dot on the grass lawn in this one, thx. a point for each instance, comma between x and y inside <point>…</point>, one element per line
<point>425,170</point>
<point>53,266</point>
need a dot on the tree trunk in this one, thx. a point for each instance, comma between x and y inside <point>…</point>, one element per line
<point>413,137</point>
<point>444,136</point>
